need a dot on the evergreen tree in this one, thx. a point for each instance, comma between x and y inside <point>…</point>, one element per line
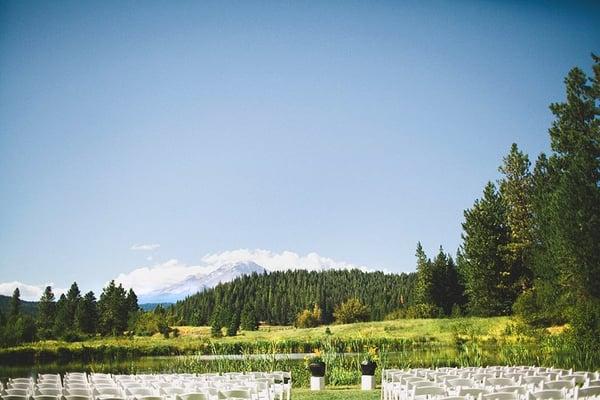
<point>132,307</point>
<point>485,272</point>
<point>567,261</point>
<point>216,325</point>
<point>424,282</point>
<point>447,291</point>
<point>73,300</point>
<point>63,320</point>
<point>248,320</point>
<point>132,301</point>
<point>234,324</point>
<point>113,310</point>
<point>87,314</point>
<point>516,191</point>
<point>15,303</point>
<point>46,314</point>
<point>23,329</point>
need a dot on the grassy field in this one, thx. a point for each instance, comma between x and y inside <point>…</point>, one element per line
<point>284,339</point>
<point>337,393</point>
<point>438,330</point>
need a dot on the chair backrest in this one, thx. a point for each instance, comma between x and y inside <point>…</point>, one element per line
<point>149,397</point>
<point>172,390</point>
<point>500,396</point>
<point>49,376</point>
<point>45,397</point>
<point>547,394</point>
<point>109,397</point>
<point>19,385</point>
<point>533,380</point>
<point>417,384</point>
<point>474,392</point>
<point>462,382</point>
<point>557,385</point>
<point>76,385</point>
<point>515,376</point>
<point>235,394</point>
<point>15,397</point>
<point>77,397</point>
<point>193,396</point>
<point>28,381</point>
<point>17,392</point>
<point>48,385</point>
<point>78,391</point>
<point>108,391</point>
<point>481,376</point>
<point>579,378</point>
<point>49,391</point>
<point>428,391</point>
<point>500,382</point>
<point>141,392</point>
<point>511,389</point>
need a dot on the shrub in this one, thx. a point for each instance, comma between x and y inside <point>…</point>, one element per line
<point>350,311</point>
<point>585,326</point>
<point>399,313</point>
<point>535,309</point>
<point>309,319</point>
<point>424,311</point>
<point>456,311</point>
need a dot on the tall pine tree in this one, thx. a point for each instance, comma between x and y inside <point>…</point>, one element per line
<point>516,191</point>
<point>46,314</point>
<point>484,269</point>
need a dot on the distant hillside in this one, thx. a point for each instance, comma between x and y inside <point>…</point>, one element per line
<point>28,307</point>
<point>277,297</point>
<point>152,306</point>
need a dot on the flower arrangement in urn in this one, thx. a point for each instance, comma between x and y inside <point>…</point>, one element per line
<point>368,365</point>
<point>315,363</point>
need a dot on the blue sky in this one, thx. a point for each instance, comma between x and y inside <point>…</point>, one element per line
<point>348,129</point>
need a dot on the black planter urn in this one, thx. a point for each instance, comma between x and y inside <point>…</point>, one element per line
<point>368,367</point>
<point>317,368</point>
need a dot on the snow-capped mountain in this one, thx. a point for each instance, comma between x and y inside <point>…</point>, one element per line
<point>195,283</point>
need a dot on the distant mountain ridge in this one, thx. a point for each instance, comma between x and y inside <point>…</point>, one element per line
<point>28,307</point>
<point>198,282</point>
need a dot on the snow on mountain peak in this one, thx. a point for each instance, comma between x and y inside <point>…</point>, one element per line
<point>193,284</point>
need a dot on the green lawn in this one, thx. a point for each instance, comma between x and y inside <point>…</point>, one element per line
<point>337,393</point>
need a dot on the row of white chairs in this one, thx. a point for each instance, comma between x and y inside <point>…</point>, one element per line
<point>489,383</point>
<point>96,386</point>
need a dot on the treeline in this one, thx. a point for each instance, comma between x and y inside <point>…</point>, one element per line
<point>531,243</point>
<point>72,317</point>
<point>279,297</point>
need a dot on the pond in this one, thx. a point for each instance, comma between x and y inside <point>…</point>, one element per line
<point>294,362</point>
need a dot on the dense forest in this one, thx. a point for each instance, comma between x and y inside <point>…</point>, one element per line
<point>278,297</point>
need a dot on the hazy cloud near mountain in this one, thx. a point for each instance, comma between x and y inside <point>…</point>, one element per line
<point>276,261</point>
<point>28,292</point>
<point>166,277</point>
